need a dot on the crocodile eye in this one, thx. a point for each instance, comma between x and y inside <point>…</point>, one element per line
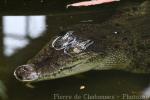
<point>77,50</point>
<point>61,42</point>
<point>25,73</point>
<point>57,43</point>
<point>71,43</point>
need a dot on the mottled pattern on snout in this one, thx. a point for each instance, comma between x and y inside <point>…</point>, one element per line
<point>26,73</point>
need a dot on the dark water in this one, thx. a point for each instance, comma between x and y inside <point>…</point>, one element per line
<point>26,26</point>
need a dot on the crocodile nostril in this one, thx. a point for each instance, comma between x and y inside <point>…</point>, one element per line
<point>25,73</point>
<point>18,73</point>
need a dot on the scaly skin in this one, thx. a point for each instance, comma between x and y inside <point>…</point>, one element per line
<point>121,43</point>
<point>109,51</point>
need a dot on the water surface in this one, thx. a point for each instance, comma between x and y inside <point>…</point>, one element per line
<point>27,27</point>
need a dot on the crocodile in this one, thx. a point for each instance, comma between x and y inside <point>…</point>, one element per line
<point>121,43</point>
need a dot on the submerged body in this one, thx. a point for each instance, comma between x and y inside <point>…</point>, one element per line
<point>112,50</point>
<point>118,43</point>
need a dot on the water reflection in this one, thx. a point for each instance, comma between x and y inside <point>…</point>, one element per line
<point>19,29</point>
<point>146,92</point>
<point>3,95</point>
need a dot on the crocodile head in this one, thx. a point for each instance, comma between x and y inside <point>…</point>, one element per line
<point>64,56</point>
